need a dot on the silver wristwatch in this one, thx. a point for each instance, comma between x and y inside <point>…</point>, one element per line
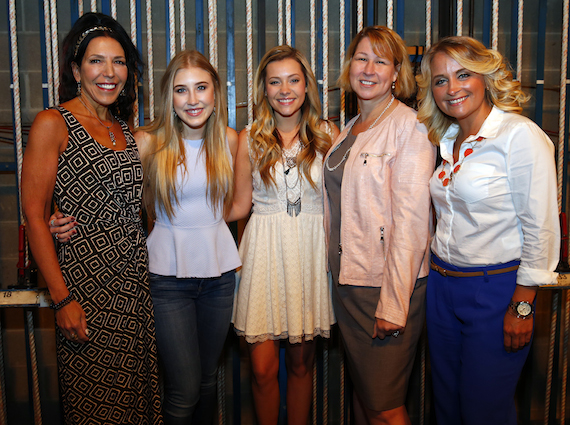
<point>521,309</point>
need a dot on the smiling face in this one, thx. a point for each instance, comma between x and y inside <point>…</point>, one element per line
<point>193,99</point>
<point>371,76</point>
<point>103,71</point>
<point>286,87</point>
<point>459,93</point>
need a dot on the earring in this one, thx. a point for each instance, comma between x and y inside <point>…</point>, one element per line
<point>123,93</point>
<point>79,88</point>
<point>393,85</point>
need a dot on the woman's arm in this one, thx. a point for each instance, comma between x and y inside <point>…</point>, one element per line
<point>47,139</point>
<point>532,178</point>
<point>410,206</point>
<point>243,180</point>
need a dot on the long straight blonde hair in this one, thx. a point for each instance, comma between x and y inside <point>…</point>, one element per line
<point>166,151</point>
<point>265,139</point>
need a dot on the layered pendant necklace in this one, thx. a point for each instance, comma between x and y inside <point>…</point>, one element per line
<point>111,134</point>
<point>445,179</point>
<point>293,191</point>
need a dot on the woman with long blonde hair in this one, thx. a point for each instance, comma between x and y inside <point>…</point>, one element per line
<point>284,292</point>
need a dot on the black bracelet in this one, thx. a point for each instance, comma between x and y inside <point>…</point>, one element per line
<point>63,302</point>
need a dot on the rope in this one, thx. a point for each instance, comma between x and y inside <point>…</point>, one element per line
<point>325,12</point>
<point>16,97</point>
<point>495,30</point>
<point>342,420</point>
<point>249,53</point>
<point>49,58</point>
<point>341,56</point>
<point>428,24</point>
<point>3,418</point>
<point>550,356</point>
<point>93,5</point>
<point>182,25</point>
<point>423,379</point>
<point>314,393</point>
<point>562,108</point>
<point>114,9</point>
<point>80,7</point>
<point>326,382</point>
<point>213,32</point>
<point>221,383</point>
<point>288,18</point>
<point>389,14</point>
<point>34,369</point>
<point>133,22</point>
<point>280,21</point>
<point>520,40</point>
<point>171,29</point>
<point>565,357</point>
<point>313,38</point>
<point>359,15</point>
<point>54,51</point>
<point>150,60</point>
<point>459,17</point>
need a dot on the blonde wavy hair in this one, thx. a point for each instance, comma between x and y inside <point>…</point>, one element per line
<point>266,143</point>
<point>166,151</point>
<point>502,91</point>
<point>388,44</point>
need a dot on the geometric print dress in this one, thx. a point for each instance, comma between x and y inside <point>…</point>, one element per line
<point>112,379</point>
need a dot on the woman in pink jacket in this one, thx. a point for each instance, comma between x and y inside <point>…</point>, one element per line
<point>377,212</point>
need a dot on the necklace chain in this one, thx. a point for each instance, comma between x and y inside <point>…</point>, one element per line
<point>293,207</point>
<point>348,150</point>
<point>457,166</point>
<point>111,134</point>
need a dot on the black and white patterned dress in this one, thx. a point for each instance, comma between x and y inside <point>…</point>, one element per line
<point>112,379</point>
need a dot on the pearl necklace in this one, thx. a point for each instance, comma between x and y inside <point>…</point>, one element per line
<point>445,180</point>
<point>111,134</point>
<point>348,150</point>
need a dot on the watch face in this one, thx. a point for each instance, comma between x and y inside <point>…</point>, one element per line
<point>524,309</point>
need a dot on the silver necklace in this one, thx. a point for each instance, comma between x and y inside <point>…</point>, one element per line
<point>293,207</point>
<point>348,150</point>
<point>111,134</point>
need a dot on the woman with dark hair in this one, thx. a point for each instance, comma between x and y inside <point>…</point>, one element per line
<point>497,235</point>
<point>82,156</point>
<point>377,212</point>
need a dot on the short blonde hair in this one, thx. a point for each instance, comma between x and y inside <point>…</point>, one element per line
<point>502,91</point>
<point>388,43</point>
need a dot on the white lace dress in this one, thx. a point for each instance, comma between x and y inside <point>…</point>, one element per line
<point>284,290</point>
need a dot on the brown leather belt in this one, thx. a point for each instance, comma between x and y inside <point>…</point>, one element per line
<point>454,273</point>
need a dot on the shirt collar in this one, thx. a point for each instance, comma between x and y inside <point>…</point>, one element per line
<point>488,130</point>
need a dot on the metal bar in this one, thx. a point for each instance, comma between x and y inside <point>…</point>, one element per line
<point>35,297</point>
<point>540,52</point>
<point>400,17</point>
<point>199,7</point>
<point>514,34</point>
<point>231,63</point>
<point>487,7</point>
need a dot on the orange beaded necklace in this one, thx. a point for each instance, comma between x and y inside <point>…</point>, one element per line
<point>445,180</point>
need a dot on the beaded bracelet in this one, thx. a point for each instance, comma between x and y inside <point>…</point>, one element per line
<point>63,302</point>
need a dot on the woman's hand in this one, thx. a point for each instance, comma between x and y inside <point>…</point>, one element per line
<point>62,227</point>
<point>72,321</point>
<point>517,332</point>
<point>382,329</point>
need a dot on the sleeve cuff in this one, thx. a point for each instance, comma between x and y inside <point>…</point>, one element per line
<point>535,277</point>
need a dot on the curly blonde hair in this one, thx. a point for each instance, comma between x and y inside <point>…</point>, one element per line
<point>502,91</point>
<point>166,150</point>
<point>266,143</point>
<point>386,43</point>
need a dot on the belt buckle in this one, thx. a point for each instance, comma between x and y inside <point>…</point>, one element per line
<point>443,272</point>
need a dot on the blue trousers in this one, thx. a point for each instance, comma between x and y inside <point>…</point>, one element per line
<point>192,318</point>
<point>474,378</point>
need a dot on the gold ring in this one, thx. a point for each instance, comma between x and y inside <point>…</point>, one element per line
<point>52,222</point>
<point>73,337</point>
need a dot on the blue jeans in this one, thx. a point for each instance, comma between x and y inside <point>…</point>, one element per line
<point>192,319</point>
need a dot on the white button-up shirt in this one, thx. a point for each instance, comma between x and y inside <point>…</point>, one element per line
<point>501,204</point>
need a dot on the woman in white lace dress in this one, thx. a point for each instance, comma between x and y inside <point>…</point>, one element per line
<point>284,291</point>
